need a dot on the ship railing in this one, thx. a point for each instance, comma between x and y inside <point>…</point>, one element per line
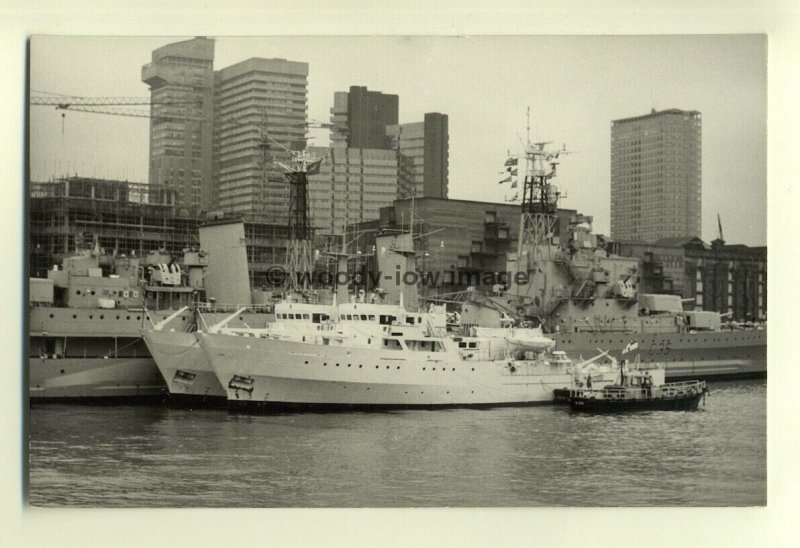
<point>230,308</point>
<point>669,390</point>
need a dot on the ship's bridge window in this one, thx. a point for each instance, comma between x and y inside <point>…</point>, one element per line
<point>306,316</point>
<point>424,346</point>
<point>317,318</point>
<point>364,317</point>
<point>410,320</point>
<point>473,345</point>
<point>391,344</point>
<point>386,319</point>
<point>372,317</point>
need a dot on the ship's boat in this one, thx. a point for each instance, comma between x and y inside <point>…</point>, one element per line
<point>639,389</point>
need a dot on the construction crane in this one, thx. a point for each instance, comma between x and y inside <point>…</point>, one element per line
<point>118,106</point>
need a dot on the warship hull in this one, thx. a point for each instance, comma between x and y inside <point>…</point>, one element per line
<point>709,355</point>
<point>184,367</point>
<point>92,353</point>
<point>277,375</point>
<point>101,378</point>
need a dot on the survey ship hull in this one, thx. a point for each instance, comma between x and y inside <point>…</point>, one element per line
<point>709,355</point>
<point>274,375</point>
<point>183,366</point>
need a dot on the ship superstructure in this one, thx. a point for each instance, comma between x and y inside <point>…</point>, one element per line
<point>584,297</point>
<point>85,318</point>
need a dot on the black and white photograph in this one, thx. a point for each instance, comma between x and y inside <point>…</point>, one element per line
<point>486,271</point>
<point>403,273</point>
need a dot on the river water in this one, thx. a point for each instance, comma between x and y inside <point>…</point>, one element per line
<point>157,456</point>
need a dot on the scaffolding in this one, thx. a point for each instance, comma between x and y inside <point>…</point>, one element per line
<point>130,218</point>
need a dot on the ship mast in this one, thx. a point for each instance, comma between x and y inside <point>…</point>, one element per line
<point>539,205</point>
<point>299,253</point>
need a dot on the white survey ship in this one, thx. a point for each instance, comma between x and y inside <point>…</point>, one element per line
<point>380,356</point>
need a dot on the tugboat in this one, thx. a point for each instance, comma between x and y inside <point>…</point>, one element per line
<point>638,389</point>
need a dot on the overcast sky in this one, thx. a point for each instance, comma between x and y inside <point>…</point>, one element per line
<point>574,86</point>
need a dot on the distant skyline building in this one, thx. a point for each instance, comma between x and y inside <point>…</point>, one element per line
<point>181,80</point>
<point>352,186</point>
<point>363,116</point>
<point>423,156</point>
<point>215,136</point>
<point>656,176</point>
<point>261,111</point>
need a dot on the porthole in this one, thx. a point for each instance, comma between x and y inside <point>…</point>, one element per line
<point>117,317</point>
<point>423,369</point>
<point>433,368</point>
<point>51,316</point>
<point>337,365</point>
<point>74,316</point>
<point>62,371</point>
<point>376,367</point>
<point>78,292</point>
<point>359,366</point>
<point>101,316</point>
<point>91,317</point>
<point>398,367</point>
<point>306,362</point>
<point>387,367</point>
<point>138,317</point>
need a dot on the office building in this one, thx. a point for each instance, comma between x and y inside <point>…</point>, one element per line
<point>656,176</point>
<point>215,136</point>
<point>181,80</point>
<point>260,115</point>
<point>360,118</point>
<point>422,156</point>
<point>352,186</point>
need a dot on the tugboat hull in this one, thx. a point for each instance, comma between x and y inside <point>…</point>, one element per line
<point>598,405</point>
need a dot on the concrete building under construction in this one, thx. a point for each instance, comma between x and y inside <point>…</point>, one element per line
<point>130,218</point>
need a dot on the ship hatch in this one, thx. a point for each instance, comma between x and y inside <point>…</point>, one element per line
<point>184,377</point>
<point>241,383</point>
